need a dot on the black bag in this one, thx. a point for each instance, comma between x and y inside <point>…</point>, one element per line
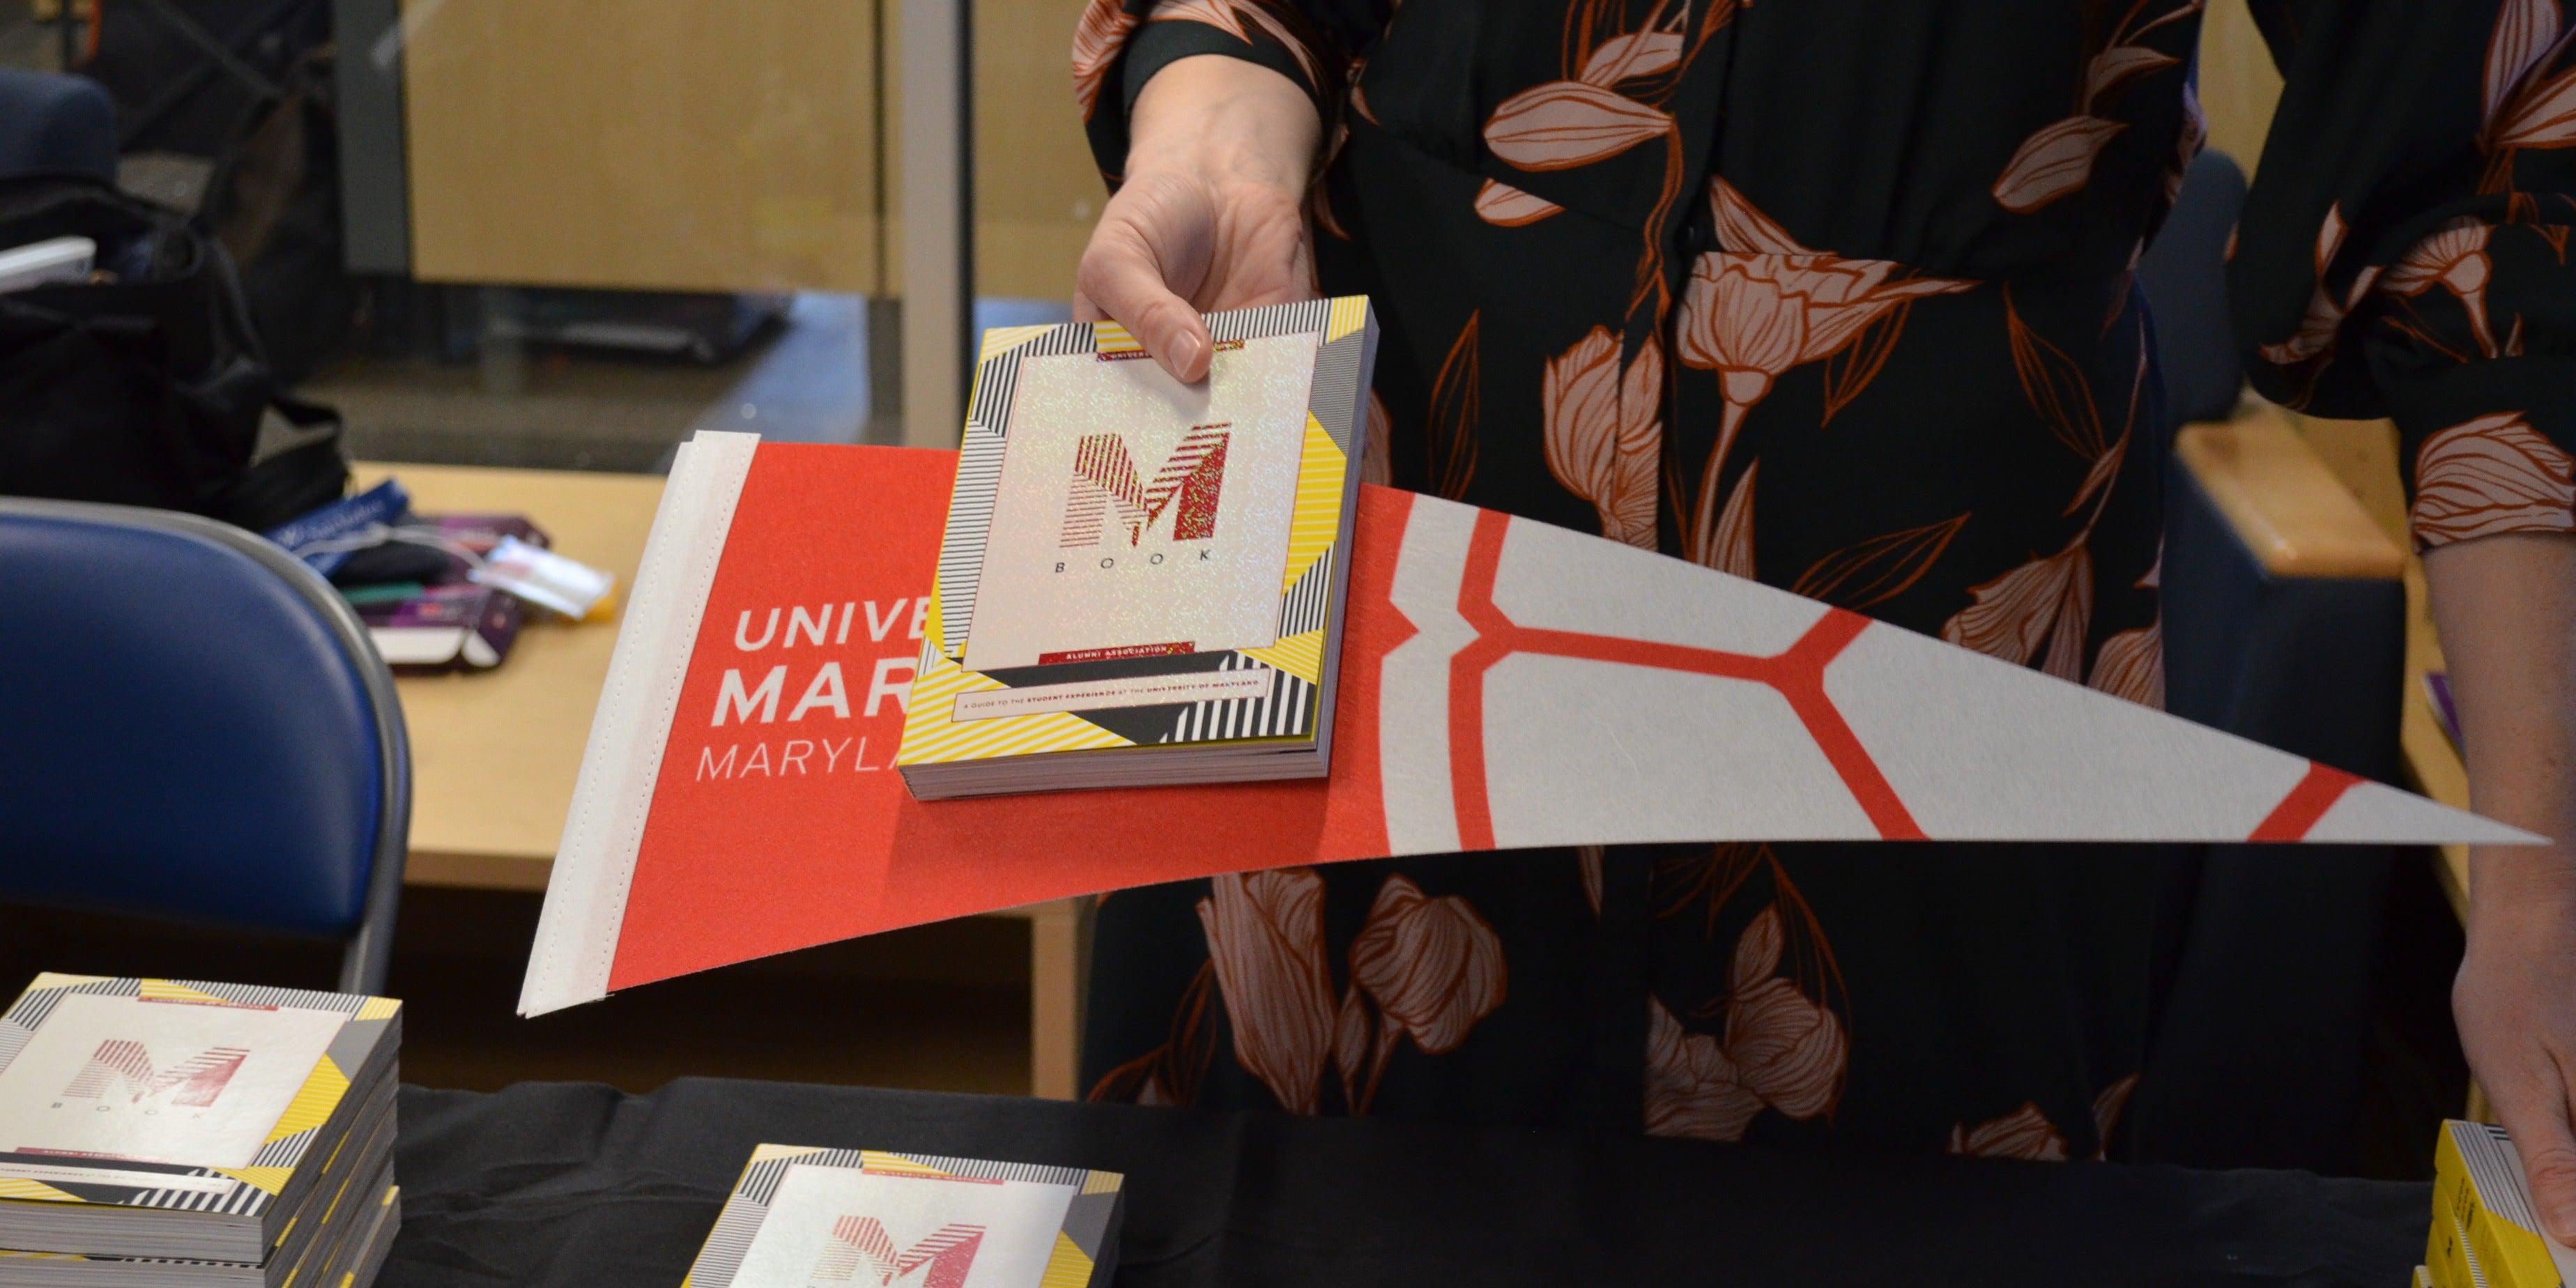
<point>243,88</point>
<point>150,388</point>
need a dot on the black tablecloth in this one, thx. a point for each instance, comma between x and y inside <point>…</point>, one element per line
<point>567,1184</point>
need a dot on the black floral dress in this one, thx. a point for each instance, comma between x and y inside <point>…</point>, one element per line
<point>1837,295</point>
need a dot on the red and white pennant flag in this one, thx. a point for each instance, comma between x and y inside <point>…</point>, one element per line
<point>1504,684</point>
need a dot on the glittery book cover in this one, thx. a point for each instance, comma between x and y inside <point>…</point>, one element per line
<point>802,1216</point>
<point>1135,563</point>
<point>213,1101</point>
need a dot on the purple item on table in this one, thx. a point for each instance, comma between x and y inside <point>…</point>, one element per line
<point>2437,686</point>
<point>461,625</point>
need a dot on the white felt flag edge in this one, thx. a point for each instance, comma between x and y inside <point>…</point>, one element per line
<point>586,895</point>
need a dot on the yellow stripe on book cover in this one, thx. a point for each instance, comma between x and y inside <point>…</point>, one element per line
<point>13,1188</point>
<point>1003,339</point>
<point>1067,1266</point>
<point>1317,520</point>
<point>878,1160</point>
<point>1300,655</point>
<point>931,734</point>
<point>162,990</point>
<point>314,1102</point>
<point>270,1180</point>
<point>1349,313</point>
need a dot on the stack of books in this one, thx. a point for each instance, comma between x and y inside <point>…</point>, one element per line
<point>802,1216</point>
<point>170,1134</point>
<point>1141,581</point>
<point>2485,1232</point>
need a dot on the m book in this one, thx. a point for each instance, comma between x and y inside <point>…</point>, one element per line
<point>802,1215</point>
<point>1143,581</point>
<point>2486,1231</point>
<point>164,1118</point>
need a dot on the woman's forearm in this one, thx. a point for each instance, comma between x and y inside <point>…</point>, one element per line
<point>1227,119</point>
<point>2506,607</point>
<point>2506,610</point>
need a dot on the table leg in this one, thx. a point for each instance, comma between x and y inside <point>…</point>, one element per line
<point>1059,943</point>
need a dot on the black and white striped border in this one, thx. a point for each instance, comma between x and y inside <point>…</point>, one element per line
<point>988,429</point>
<point>1287,711</point>
<point>1308,603</point>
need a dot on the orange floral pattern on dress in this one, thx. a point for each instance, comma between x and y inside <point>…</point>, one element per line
<point>1425,969</point>
<point>2056,161</point>
<point>2491,475</point>
<point>1563,124</point>
<point>2042,611</point>
<point>2026,1133</point>
<point>1505,206</point>
<point>1431,967</point>
<point>1456,404</point>
<point>2523,108</point>
<point>2456,260</point>
<point>1750,315</point>
<point>1604,431</point>
<point>1099,36</point>
<point>1781,1050</point>
<point>1868,573</point>
<point>1265,934</point>
<point>2131,665</point>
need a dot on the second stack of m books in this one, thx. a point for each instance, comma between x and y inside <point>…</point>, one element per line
<point>2485,1231</point>
<point>170,1134</point>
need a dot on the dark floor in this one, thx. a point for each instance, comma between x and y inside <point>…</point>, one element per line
<point>942,1007</point>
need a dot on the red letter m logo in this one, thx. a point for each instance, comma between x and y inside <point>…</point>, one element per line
<point>858,1240</point>
<point>198,1080</point>
<point>1105,479</point>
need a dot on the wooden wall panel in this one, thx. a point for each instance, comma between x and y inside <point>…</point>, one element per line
<point>642,143</point>
<point>688,145</point>
<point>1036,192</point>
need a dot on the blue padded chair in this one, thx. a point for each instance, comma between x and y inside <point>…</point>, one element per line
<point>194,725</point>
<point>51,124</point>
<point>2258,1061</point>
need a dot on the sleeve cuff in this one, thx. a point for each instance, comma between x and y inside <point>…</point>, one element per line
<point>2488,447</point>
<point>1158,45</point>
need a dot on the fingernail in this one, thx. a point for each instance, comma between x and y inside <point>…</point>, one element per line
<point>1185,352</point>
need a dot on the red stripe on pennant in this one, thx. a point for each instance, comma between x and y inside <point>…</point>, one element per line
<point>2299,811</point>
<point>1798,675</point>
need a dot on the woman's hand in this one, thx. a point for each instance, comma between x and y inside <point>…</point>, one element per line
<point>1212,213</point>
<point>2516,1003</point>
<point>2506,609</point>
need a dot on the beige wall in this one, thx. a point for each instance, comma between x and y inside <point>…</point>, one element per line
<point>1036,193</point>
<point>2237,82</point>
<point>684,145</point>
<point>646,143</point>
<point>681,144</point>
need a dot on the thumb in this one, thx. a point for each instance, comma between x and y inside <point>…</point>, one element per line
<point>2548,1153</point>
<point>1121,278</point>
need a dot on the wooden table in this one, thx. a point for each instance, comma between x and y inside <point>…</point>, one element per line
<point>495,753</point>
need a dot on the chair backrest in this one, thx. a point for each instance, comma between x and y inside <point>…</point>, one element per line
<point>2184,275</point>
<point>53,124</point>
<point>194,725</point>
